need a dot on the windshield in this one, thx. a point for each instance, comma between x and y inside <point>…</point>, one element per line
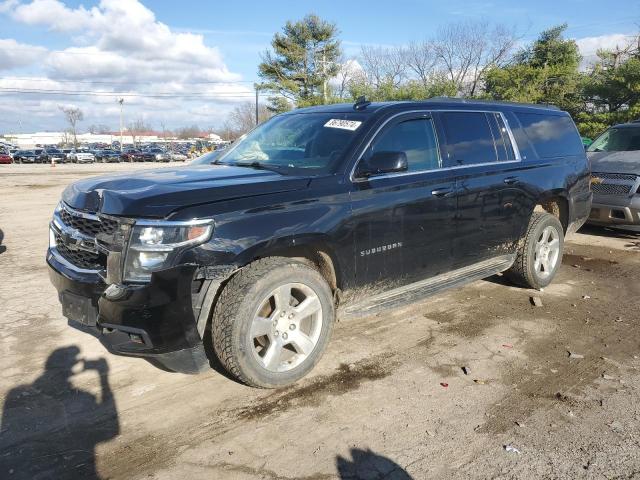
<point>302,142</point>
<point>624,139</point>
<point>207,158</point>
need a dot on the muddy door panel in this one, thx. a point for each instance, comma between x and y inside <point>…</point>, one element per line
<point>403,227</point>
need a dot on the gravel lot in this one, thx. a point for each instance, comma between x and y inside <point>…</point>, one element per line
<point>389,399</point>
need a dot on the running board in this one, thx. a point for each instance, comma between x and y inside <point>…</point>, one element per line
<point>413,292</point>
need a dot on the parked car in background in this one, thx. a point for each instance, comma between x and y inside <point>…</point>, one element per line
<point>5,158</point>
<point>81,156</point>
<point>26,156</point>
<point>53,154</point>
<point>178,157</point>
<point>41,155</point>
<point>615,177</point>
<point>309,210</point>
<point>108,156</point>
<point>156,155</point>
<point>130,155</point>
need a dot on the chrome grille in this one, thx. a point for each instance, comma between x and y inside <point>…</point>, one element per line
<point>79,237</point>
<point>88,226</point>
<point>80,258</point>
<point>611,188</point>
<point>615,176</point>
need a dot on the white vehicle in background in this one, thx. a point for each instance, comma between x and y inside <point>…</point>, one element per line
<point>78,156</point>
<point>178,157</point>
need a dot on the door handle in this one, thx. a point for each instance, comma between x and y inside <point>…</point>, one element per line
<point>442,192</point>
<point>511,180</point>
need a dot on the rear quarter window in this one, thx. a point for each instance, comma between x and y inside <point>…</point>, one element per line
<point>551,135</point>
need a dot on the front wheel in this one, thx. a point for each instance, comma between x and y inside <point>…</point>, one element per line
<point>539,253</point>
<point>272,322</point>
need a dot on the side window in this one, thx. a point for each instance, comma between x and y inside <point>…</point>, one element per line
<point>551,135</point>
<point>469,138</point>
<point>416,138</point>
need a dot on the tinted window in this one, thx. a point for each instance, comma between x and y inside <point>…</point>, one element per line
<point>625,139</point>
<point>469,138</point>
<point>551,135</point>
<point>416,138</point>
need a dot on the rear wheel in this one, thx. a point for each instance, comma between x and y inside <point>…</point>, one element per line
<point>540,252</point>
<point>272,322</point>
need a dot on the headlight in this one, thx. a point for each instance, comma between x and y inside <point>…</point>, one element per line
<point>153,245</point>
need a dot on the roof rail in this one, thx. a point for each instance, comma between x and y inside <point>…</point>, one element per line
<point>500,102</point>
<point>361,103</point>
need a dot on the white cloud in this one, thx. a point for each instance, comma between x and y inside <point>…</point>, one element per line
<point>121,47</point>
<point>15,55</point>
<point>589,46</point>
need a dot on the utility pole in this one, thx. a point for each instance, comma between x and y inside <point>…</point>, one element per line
<point>120,101</point>
<point>324,77</point>
<point>257,108</point>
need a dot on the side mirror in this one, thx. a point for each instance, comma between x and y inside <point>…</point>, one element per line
<point>384,162</point>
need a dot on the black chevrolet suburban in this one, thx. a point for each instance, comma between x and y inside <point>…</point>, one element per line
<point>321,212</point>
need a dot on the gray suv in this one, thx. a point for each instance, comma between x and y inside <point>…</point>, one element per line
<point>615,177</point>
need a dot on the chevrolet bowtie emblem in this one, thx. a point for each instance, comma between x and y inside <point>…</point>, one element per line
<point>595,180</point>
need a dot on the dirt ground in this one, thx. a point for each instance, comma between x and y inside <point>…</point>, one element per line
<point>559,383</point>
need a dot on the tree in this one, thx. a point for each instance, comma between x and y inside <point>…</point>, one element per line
<point>303,58</point>
<point>100,129</point>
<point>544,72</point>
<point>185,133</point>
<point>137,128</point>
<point>468,50</point>
<point>73,115</point>
<point>611,89</point>
<point>243,119</point>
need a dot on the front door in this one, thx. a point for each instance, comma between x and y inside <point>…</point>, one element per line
<point>404,222</point>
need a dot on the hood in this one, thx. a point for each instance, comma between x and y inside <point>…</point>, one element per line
<point>615,162</point>
<point>157,193</point>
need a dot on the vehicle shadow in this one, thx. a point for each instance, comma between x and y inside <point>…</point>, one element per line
<point>50,428</point>
<point>618,232</point>
<point>3,248</point>
<point>367,464</point>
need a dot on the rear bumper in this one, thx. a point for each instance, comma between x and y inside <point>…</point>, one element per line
<point>615,211</point>
<point>154,320</point>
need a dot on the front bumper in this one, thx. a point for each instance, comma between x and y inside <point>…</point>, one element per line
<point>609,210</point>
<point>155,320</point>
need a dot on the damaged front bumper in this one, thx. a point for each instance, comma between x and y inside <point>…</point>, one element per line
<point>164,319</point>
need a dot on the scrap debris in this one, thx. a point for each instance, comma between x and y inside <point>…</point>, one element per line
<point>536,301</point>
<point>577,356</point>
<point>511,449</point>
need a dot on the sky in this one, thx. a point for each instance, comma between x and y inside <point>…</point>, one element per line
<point>185,62</point>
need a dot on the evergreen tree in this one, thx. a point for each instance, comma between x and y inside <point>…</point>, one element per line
<point>303,58</point>
<point>545,72</point>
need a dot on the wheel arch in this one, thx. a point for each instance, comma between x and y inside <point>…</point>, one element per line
<point>555,203</point>
<point>313,249</point>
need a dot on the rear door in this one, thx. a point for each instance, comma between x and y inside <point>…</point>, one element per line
<point>491,206</point>
<point>404,222</point>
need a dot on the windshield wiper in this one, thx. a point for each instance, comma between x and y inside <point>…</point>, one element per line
<point>259,166</point>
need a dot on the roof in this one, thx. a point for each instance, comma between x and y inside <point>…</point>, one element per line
<point>435,103</point>
<point>634,124</point>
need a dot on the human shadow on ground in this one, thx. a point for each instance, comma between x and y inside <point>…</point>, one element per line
<point>50,428</point>
<point>369,465</point>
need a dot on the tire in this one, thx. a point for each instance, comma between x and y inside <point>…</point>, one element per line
<point>245,345</point>
<point>527,271</point>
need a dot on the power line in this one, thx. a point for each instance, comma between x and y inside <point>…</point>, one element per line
<point>122,94</point>
<point>105,82</point>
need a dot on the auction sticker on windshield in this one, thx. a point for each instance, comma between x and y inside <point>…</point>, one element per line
<point>344,124</point>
